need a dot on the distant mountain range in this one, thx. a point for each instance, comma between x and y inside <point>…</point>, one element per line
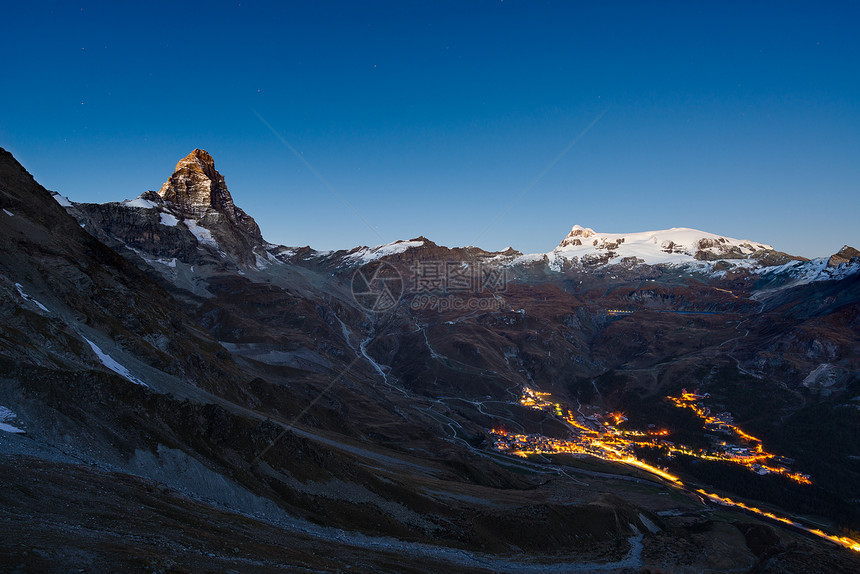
<point>177,393</point>
<point>196,203</point>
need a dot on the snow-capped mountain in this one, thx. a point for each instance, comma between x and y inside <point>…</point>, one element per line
<point>192,223</point>
<point>676,245</point>
<point>693,251</point>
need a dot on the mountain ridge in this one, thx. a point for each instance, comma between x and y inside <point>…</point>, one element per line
<point>196,195</point>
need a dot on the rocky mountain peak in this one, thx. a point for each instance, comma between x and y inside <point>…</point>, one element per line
<point>196,186</point>
<point>199,157</point>
<point>844,255</point>
<point>576,235</point>
<point>198,191</point>
<point>191,219</point>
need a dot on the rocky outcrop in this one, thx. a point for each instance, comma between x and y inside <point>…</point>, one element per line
<point>576,235</point>
<point>198,191</point>
<point>844,255</point>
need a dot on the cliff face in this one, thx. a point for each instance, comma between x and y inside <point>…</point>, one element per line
<point>198,191</point>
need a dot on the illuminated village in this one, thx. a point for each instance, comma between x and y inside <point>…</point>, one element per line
<point>598,435</point>
<point>593,435</point>
<point>751,455</point>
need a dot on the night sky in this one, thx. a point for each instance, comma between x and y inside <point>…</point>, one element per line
<point>472,123</point>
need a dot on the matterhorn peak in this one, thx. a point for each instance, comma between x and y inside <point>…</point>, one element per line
<point>199,160</point>
<point>198,192</point>
<point>196,186</point>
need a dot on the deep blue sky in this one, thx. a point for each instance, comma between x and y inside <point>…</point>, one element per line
<point>434,118</point>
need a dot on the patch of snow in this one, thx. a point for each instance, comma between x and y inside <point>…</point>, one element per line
<point>138,202</point>
<point>26,297</point>
<point>111,364</point>
<point>824,375</point>
<point>168,220</point>
<point>61,199</point>
<point>652,528</point>
<point>203,235</point>
<point>502,259</point>
<point>5,416</point>
<point>368,254</point>
<point>529,258</point>
<point>144,255</point>
<point>261,262</point>
<point>9,213</point>
<point>803,272</point>
<point>841,271</point>
<point>266,260</point>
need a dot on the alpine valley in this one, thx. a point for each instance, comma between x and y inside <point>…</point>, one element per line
<point>179,395</point>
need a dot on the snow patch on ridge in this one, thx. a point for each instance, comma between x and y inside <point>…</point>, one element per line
<point>138,202</point>
<point>26,297</point>
<point>111,364</point>
<point>61,199</point>
<point>5,416</point>
<point>368,254</point>
<point>203,235</point>
<point>265,260</point>
<point>262,262</point>
<point>168,219</point>
<point>803,272</point>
